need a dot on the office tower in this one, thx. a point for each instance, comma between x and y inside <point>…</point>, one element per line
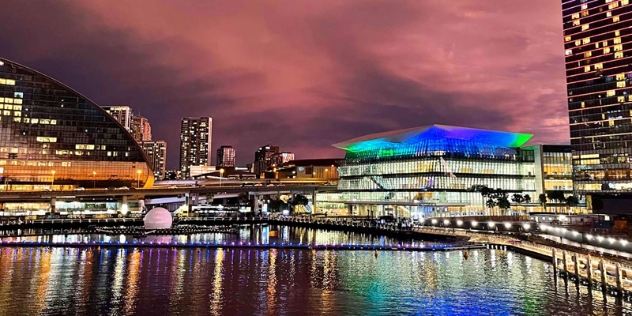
<point>597,39</point>
<point>156,152</point>
<point>121,113</point>
<point>195,143</point>
<point>141,129</point>
<point>226,156</point>
<point>263,158</point>
<point>279,159</point>
<point>55,138</point>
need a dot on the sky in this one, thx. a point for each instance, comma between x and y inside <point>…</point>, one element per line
<point>303,74</point>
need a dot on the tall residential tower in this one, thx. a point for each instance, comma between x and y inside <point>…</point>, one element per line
<point>226,156</point>
<point>597,43</point>
<point>195,143</point>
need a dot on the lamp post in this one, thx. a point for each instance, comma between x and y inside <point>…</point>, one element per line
<point>138,172</point>
<point>221,174</point>
<point>94,179</point>
<point>52,180</point>
<point>275,172</point>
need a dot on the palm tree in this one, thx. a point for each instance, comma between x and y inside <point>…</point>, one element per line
<point>571,201</point>
<point>517,198</point>
<point>542,199</point>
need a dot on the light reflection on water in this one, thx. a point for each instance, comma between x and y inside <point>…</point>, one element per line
<point>110,281</point>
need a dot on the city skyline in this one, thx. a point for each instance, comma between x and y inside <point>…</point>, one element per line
<point>264,77</point>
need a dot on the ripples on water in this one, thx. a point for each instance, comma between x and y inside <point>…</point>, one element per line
<point>53,281</point>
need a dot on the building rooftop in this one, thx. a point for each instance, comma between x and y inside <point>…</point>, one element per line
<point>414,135</point>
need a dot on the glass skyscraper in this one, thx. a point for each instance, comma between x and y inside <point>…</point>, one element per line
<point>52,137</point>
<point>597,43</point>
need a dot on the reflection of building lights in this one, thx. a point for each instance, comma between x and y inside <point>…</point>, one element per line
<point>507,225</point>
<point>600,238</point>
<point>474,223</point>
<point>459,222</point>
<point>589,236</point>
<point>491,224</point>
<point>611,240</point>
<point>624,242</point>
<point>575,233</point>
<point>434,221</point>
<point>446,222</point>
<point>526,226</point>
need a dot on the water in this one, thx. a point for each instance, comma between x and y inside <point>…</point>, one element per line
<point>54,281</point>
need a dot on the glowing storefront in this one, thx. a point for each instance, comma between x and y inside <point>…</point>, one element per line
<point>416,171</point>
<point>52,137</point>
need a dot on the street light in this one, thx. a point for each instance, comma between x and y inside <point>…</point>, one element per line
<point>221,174</point>
<point>138,172</point>
<point>52,181</point>
<point>94,179</point>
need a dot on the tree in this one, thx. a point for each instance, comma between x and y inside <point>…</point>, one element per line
<point>209,198</point>
<point>503,202</point>
<point>571,201</point>
<point>542,199</point>
<point>298,199</point>
<point>517,198</point>
<point>527,199</point>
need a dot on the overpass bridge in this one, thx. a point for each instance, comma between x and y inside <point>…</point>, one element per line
<point>190,195</point>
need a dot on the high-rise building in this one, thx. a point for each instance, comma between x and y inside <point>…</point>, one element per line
<point>121,113</point>
<point>195,143</point>
<point>279,159</point>
<point>225,156</point>
<point>53,137</point>
<point>156,152</point>
<point>263,158</point>
<point>141,130</point>
<point>597,40</point>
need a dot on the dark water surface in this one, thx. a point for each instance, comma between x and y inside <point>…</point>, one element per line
<point>57,281</point>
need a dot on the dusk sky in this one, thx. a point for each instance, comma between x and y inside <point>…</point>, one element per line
<point>303,74</point>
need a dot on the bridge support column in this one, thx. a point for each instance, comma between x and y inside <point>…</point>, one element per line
<point>618,274</point>
<point>554,258</point>
<point>576,259</point>
<point>604,278</point>
<point>565,262</point>
<point>53,201</point>
<point>589,270</point>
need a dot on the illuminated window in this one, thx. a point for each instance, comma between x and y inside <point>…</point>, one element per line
<point>576,23</point>
<point>617,40</point>
<point>604,43</point>
<point>567,39</point>
<point>618,54</point>
<point>569,52</point>
<point>17,119</point>
<point>46,139</point>
<point>610,93</point>
<point>9,82</point>
<point>621,99</point>
<point>620,76</point>
<point>606,50</point>
<point>584,6</point>
<point>620,84</point>
<point>583,104</point>
<point>613,5</point>
<point>587,54</point>
<point>587,40</point>
<point>617,33</point>
<point>615,19</point>
<point>624,2</point>
<point>599,66</point>
<point>617,47</point>
<point>66,164</point>
<point>575,16</point>
<point>584,27</point>
<point>608,14</point>
<point>584,13</point>
<point>578,42</point>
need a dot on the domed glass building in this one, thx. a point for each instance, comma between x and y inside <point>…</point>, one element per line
<point>53,137</point>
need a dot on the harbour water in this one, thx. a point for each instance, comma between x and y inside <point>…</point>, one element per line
<point>111,281</point>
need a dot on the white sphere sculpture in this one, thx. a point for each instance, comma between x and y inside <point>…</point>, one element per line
<point>158,218</point>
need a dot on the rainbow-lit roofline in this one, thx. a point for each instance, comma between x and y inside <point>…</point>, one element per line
<point>433,138</point>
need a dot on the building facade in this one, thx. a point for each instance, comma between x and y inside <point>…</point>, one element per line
<point>141,129</point>
<point>52,137</point>
<point>597,43</point>
<point>432,169</point>
<point>156,152</point>
<point>279,159</point>
<point>553,167</point>
<point>263,158</point>
<point>195,143</point>
<point>121,113</point>
<point>225,157</point>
